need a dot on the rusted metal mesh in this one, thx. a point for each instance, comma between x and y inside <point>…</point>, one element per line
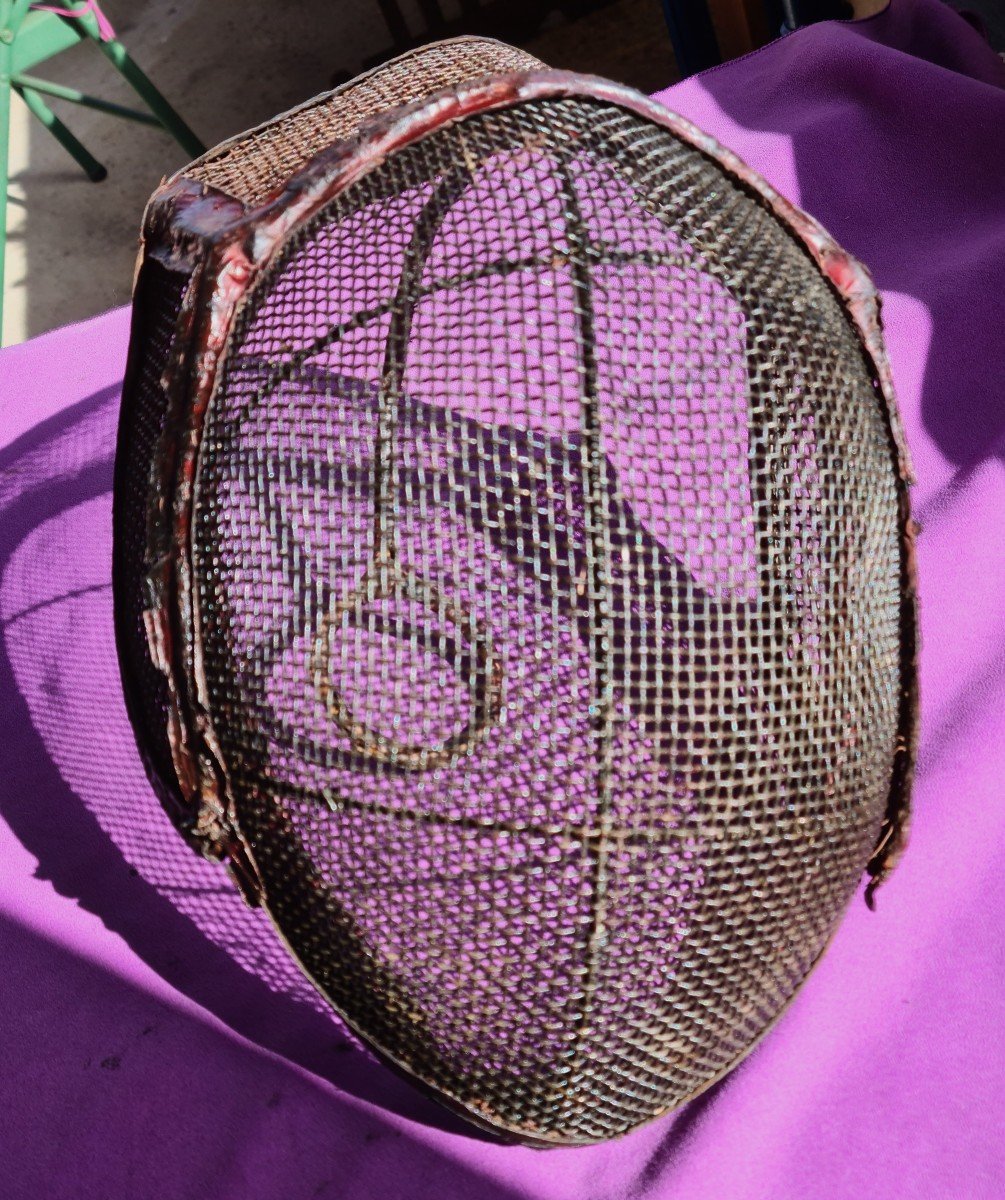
<point>257,163</point>
<point>547,578</point>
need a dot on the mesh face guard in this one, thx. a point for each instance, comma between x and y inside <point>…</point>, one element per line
<point>513,576</point>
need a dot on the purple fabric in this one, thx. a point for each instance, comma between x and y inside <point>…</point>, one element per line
<point>157,1044</point>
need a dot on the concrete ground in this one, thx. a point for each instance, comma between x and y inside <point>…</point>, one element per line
<point>227,66</point>
<point>231,64</point>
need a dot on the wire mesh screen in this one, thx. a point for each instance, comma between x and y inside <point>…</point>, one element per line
<point>253,165</point>
<point>546,562</point>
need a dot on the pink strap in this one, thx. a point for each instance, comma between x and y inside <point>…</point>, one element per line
<point>105,30</point>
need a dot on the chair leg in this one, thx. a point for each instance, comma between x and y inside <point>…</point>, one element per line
<point>141,85</point>
<point>5,62</point>
<point>92,168</point>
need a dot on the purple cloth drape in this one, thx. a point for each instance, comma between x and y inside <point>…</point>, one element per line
<point>157,1044</point>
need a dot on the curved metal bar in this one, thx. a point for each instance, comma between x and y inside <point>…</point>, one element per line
<point>483,670</point>
<point>387,578</point>
<point>598,582</point>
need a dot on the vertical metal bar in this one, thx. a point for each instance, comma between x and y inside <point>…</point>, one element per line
<point>12,14</point>
<point>692,35</point>
<point>395,22</point>
<point>432,15</point>
<point>409,292</point>
<point>6,61</point>
<point>600,609</point>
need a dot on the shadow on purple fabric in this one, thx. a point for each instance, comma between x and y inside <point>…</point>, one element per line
<point>99,836</point>
<point>883,178</point>
<point>105,845</point>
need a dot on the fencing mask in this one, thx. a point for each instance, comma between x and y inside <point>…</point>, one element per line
<point>513,576</point>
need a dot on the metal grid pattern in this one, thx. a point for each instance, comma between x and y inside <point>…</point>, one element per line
<point>258,163</point>
<point>548,576</point>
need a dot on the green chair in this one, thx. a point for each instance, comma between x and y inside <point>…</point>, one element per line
<point>30,33</point>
